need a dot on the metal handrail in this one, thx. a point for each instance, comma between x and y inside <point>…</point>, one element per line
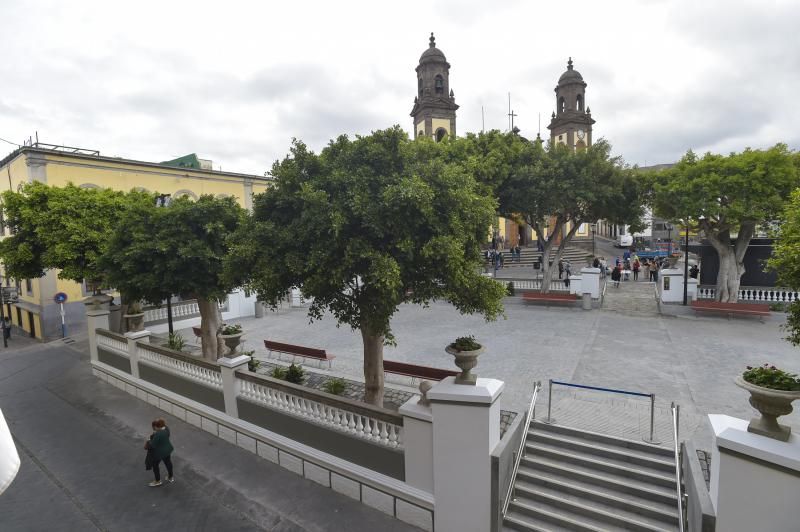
<point>675,416</point>
<point>652,397</point>
<point>531,409</point>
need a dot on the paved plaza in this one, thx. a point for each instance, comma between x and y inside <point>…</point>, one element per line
<point>691,361</point>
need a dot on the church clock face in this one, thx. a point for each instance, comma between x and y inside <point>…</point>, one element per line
<point>581,134</point>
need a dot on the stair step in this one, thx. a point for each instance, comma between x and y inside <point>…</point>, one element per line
<point>602,438</point>
<point>606,450</point>
<point>530,467</point>
<point>554,515</point>
<point>528,523</point>
<point>615,515</point>
<point>613,499</point>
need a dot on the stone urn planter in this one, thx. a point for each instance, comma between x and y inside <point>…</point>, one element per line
<point>771,404</point>
<point>232,341</point>
<point>672,260</point>
<point>465,359</point>
<point>135,321</point>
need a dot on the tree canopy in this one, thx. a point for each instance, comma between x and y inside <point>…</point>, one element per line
<point>786,260</point>
<point>729,197</point>
<point>366,225</point>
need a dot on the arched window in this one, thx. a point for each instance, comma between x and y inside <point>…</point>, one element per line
<point>419,87</point>
<point>420,133</point>
<point>440,134</point>
<point>580,146</point>
<point>579,103</point>
<point>562,105</point>
<point>89,185</point>
<point>184,192</point>
<point>439,84</point>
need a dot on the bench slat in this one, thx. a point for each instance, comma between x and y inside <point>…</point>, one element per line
<point>412,370</point>
<point>299,350</point>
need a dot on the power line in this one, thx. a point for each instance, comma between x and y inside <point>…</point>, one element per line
<point>14,143</point>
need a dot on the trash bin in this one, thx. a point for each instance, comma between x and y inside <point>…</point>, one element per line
<point>587,301</point>
<point>536,264</point>
<point>259,309</point>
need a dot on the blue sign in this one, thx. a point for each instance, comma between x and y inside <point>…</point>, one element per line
<point>60,297</point>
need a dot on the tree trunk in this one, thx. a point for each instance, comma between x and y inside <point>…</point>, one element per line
<point>731,260</point>
<point>210,320</point>
<point>547,272</point>
<point>373,367</point>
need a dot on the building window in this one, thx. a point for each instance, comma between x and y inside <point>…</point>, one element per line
<point>28,287</point>
<point>440,134</point>
<point>439,84</point>
<point>182,193</point>
<point>419,87</point>
<point>420,133</point>
<point>579,103</point>
<point>562,105</point>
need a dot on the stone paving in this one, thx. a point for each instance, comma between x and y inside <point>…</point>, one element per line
<point>692,361</point>
<point>633,298</point>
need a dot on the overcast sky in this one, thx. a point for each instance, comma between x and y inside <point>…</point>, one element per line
<point>234,82</point>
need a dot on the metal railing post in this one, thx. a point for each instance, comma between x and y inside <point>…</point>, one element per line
<point>549,399</point>
<point>652,439</point>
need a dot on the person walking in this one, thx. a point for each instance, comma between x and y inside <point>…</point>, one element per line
<point>159,449</point>
<point>560,269</point>
<point>616,275</point>
<point>6,328</point>
<point>694,271</point>
<point>636,266</point>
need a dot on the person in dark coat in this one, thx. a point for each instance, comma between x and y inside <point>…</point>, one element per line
<point>616,275</point>
<point>694,271</point>
<point>159,449</point>
<point>560,269</point>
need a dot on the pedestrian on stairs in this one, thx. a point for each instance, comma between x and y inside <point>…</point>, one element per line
<point>616,275</point>
<point>560,269</point>
<point>636,266</point>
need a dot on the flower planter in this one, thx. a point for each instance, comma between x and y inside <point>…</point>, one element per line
<point>672,260</point>
<point>771,404</point>
<point>135,321</point>
<point>232,341</point>
<point>465,360</point>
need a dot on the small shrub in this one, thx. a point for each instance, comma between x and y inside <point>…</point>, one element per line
<point>253,363</point>
<point>134,308</point>
<point>335,386</point>
<point>777,307</point>
<point>176,342</point>
<point>279,372</point>
<point>465,343</point>
<point>227,330</point>
<point>510,288</point>
<point>295,374</point>
<point>771,377</point>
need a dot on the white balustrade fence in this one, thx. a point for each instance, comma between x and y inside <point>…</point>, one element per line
<point>754,294</point>
<point>337,418</point>
<point>182,368</point>
<point>114,344</point>
<point>556,285</point>
<point>180,310</point>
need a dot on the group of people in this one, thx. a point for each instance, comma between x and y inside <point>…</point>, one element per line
<point>497,258</point>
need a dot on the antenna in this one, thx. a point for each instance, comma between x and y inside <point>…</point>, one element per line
<point>483,121</point>
<point>539,133</point>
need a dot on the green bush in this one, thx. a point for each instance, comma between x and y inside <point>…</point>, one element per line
<point>778,307</point>
<point>227,330</point>
<point>336,386</point>
<point>510,288</point>
<point>295,374</point>
<point>134,308</point>
<point>465,343</point>
<point>176,342</point>
<point>253,363</point>
<point>771,377</point>
<point>279,372</point>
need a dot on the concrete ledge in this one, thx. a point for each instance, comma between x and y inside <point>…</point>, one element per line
<point>416,506</point>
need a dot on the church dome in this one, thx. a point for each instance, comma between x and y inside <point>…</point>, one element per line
<point>432,54</point>
<point>570,75</point>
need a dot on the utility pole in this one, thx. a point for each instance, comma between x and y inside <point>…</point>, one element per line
<point>3,316</point>
<point>686,266</point>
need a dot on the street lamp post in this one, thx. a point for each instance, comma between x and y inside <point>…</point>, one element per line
<point>162,200</point>
<point>669,239</point>
<point>686,266</point>
<point>593,228</point>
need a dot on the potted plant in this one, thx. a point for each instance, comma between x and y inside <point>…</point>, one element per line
<point>135,316</point>
<point>232,336</point>
<point>673,259</point>
<point>465,350</point>
<point>771,393</point>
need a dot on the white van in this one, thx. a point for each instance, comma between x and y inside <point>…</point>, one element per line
<point>624,241</point>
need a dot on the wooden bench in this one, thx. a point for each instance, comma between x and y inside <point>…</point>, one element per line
<point>198,334</point>
<point>552,297</point>
<point>732,309</point>
<point>298,351</point>
<point>417,372</point>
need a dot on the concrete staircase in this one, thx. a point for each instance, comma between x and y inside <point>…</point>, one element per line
<point>576,256</point>
<point>571,480</point>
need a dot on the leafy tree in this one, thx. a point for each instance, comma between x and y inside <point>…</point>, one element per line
<point>365,226</point>
<point>553,187</point>
<point>786,260</point>
<point>157,252</point>
<point>729,197</point>
<point>61,227</point>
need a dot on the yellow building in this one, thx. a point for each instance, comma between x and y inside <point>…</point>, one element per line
<point>36,312</point>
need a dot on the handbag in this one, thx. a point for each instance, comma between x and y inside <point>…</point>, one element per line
<point>149,459</point>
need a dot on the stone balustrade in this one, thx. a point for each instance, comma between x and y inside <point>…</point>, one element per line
<point>112,341</point>
<point>180,310</point>
<point>186,366</point>
<point>373,424</point>
<point>556,285</point>
<point>754,294</point>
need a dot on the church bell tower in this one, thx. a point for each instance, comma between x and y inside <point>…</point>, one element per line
<point>572,121</point>
<point>434,111</point>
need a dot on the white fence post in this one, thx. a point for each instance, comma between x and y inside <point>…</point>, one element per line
<point>418,442</point>
<point>231,386</point>
<point>95,319</point>
<point>466,429</point>
<point>591,281</point>
<point>133,352</point>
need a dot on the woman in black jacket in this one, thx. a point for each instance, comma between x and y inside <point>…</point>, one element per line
<point>159,449</point>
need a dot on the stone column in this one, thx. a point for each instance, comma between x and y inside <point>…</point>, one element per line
<point>418,444</point>
<point>754,479</point>
<point>671,285</point>
<point>466,428</point>
<point>230,384</point>
<point>95,319</point>
<point>133,353</point>
<point>590,281</point>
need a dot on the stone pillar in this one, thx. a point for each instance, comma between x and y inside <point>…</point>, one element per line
<point>575,284</point>
<point>691,292</point>
<point>133,353</point>
<point>671,285</point>
<point>230,384</point>
<point>466,428</point>
<point>418,444</point>
<point>95,319</point>
<point>754,479</point>
<point>591,281</point>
